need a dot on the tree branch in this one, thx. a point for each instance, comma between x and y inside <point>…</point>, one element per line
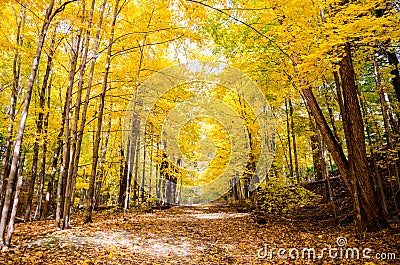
<point>61,8</point>
<point>241,22</point>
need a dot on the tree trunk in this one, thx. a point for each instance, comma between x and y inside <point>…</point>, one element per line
<point>44,152</point>
<point>44,148</point>
<point>129,163</point>
<point>13,101</point>
<point>284,153</point>
<point>75,139</point>
<point>289,141</point>
<point>131,151</point>
<point>385,113</point>
<point>89,211</point>
<point>151,162</point>
<point>325,173</point>
<point>88,90</point>
<point>63,181</point>
<point>392,58</point>
<point>158,178</point>
<point>123,170</point>
<point>89,86</point>
<point>316,149</point>
<point>144,169</point>
<point>39,127</point>
<point>329,106</point>
<point>296,162</point>
<point>372,217</point>
<point>18,141</point>
<point>136,173</point>
<point>331,142</point>
<point>13,211</point>
<point>102,161</point>
<point>70,175</point>
<point>50,184</point>
<point>33,173</point>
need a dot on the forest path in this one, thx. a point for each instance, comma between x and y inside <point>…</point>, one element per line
<point>207,234</point>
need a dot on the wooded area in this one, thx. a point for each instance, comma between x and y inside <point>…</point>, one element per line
<point>81,144</point>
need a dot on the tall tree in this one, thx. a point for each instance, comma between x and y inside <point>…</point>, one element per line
<point>63,179</point>
<point>371,213</point>
<point>13,100</point>
<point>50,14</point>
<point>89,211</point>
<point>39,128</point>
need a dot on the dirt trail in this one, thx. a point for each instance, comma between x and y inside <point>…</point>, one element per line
<point>205,234</point>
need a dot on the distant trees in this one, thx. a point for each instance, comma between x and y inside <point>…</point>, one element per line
<point>89,57</point>
<point>317,51</point>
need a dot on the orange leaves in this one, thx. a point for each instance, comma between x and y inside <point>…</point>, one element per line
<point>200,235</point>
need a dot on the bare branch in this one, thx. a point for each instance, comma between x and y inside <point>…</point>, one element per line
<point>61,8</point>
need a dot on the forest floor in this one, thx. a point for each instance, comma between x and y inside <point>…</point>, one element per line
<point>208,234</point>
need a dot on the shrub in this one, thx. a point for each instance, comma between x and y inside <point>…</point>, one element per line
<point>278,197</point>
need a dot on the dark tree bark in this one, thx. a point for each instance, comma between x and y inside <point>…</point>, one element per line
<point>289,140</point>
<point>142,190</point>
<point>332,144</point>
<point>316,149</point>
<point>372,217</point>
<point>296,162</point>
<point>392,58</point>
<point>136,170</point>
<point>325,173</point>
<point>123,170</point>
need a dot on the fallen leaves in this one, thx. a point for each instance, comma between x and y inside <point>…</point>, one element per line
<point>198,235</point>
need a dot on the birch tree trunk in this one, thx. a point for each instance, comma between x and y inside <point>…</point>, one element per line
<point>70,176</point>
<point>13,101</point>
<point>39,125</point>
<point>57,150</point>
<point>63,179</point>
<point>88,90</point>
<point>24,113</point>
<point>102,161</point>
<point>10,229</point>
<point>385,112</point>
<point>136,173</point>
<point>44,153</point>
<point>89,211</point>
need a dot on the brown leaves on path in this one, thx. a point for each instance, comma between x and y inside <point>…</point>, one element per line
<point>181,235</point>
